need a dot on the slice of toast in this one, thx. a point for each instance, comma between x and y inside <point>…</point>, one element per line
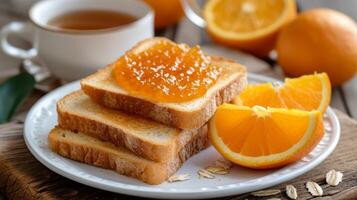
<point>89,150</point>
<point>103,89</point>
<point>144,137</point>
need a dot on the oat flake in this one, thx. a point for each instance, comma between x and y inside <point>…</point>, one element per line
<point>333,177</point>
<point>265,193</point>
<point>179,177</point>
<point>205,174</point>
<point>314,189</point>
<point>291,192</point>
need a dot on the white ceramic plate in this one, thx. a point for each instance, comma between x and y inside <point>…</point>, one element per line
<point>42,118</point>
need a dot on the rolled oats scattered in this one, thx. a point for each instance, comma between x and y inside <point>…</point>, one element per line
<point>265,193</point>
<point>291,192</point>
<point>205,174</point>
<point>217,170</point>
<point>314,189</point>
<point>334,177</point>
<point>179,177</point>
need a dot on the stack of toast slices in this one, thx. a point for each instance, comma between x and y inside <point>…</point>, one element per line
<point>105,126</point>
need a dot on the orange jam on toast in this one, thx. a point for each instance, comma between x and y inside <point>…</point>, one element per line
<point>166,72</point>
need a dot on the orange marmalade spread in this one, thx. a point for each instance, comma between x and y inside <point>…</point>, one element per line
<point>166,72</point>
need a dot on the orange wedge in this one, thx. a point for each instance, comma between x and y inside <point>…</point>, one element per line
<point>251,25</point>
<point>309,92</point>
<point>263,138</point>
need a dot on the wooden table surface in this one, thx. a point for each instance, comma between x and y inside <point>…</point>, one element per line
<point>344,98</point>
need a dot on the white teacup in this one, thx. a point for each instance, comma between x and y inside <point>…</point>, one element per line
<point>73,54</point>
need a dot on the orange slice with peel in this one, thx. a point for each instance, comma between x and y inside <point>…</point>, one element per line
<point>263,138</point>
<point>309,92</point>
<point>251,25</point>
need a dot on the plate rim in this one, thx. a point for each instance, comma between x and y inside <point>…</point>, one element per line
<point>145,191</point>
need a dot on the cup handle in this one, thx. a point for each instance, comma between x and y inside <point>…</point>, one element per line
<point>19,28</point>
<point>193,12</point>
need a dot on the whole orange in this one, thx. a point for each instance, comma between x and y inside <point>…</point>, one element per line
<point>319,40</point>
<point>167,12</point>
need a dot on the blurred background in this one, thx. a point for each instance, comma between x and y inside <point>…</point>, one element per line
<point>259,57</point>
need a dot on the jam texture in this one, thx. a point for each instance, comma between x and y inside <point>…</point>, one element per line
<point>166,72</point>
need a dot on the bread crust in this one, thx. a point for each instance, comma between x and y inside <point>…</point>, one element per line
<point>124,163</point>
<point>166,115</point>
<point>182,119</point>
<point>160,152</point>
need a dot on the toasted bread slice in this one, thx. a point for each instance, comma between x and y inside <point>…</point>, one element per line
<point>89,150</point>
<point>144,137</point>
<point>193,114</point>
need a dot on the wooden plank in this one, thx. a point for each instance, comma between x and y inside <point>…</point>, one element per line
<point>336,100</point>
<point>206,39</point>
<point>349,91</point>
<point>9,66</point>
<point>169,32</point>
<point>253,64</point>
<point>4,5</point>
<point>346,6</point>
<point>17,7</point>
<point>188,33</point>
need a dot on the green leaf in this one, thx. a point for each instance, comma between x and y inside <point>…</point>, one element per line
<point>12,92</point>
